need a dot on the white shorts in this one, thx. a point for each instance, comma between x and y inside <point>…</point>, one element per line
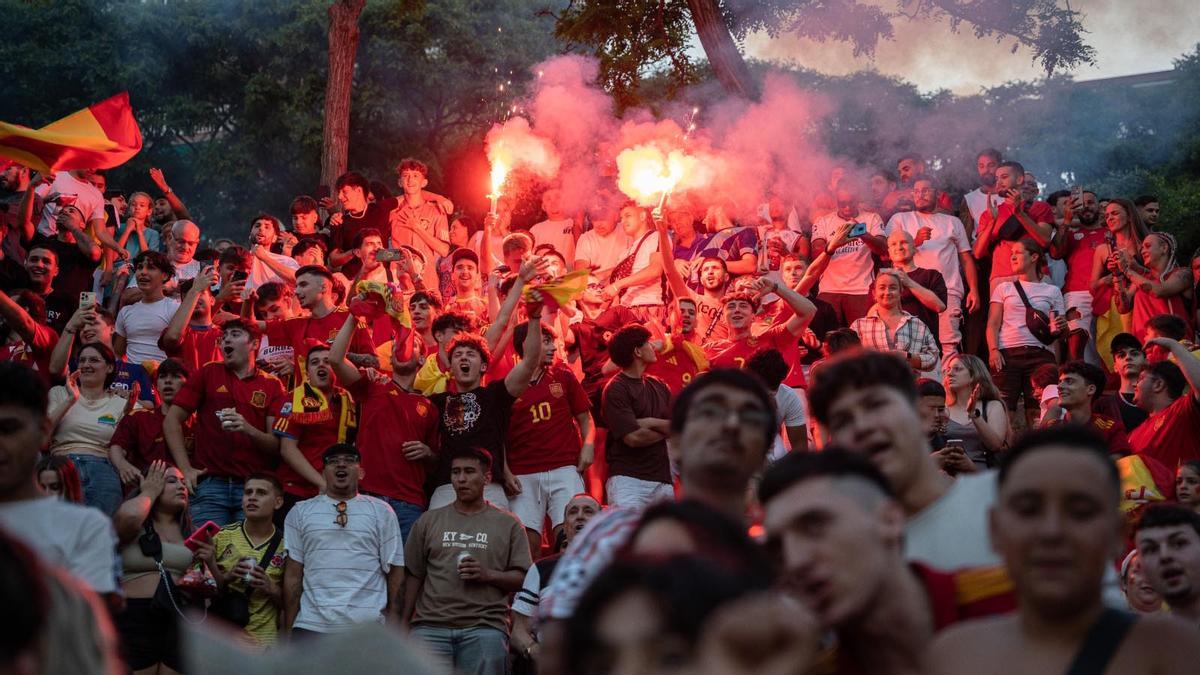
<point>444,496</point>
<point>1082,301</point>
<point>543,493</point>
<point>630,492</point>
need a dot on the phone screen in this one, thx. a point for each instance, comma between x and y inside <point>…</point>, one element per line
<point>858,230</point>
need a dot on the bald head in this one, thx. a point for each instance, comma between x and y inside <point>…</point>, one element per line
<point>185,237</point>
<point>900,246</point>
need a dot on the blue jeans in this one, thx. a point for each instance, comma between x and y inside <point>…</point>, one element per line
<point>479,650</point>
<point>406,514</point>
<point>100,482</point>
<point>218,499</point>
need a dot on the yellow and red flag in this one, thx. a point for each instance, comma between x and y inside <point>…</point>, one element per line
<point>562,290</point>
<point>100,136</point>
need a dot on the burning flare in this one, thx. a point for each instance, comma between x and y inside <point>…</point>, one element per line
<point>647,175</point>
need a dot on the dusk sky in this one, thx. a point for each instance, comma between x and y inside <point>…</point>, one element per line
<point>1130,36</point>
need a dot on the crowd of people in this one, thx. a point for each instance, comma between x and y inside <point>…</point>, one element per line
<point>885,429</point>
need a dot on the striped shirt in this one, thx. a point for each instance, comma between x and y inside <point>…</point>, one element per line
<point>345,568</point>
<point>912,336</point>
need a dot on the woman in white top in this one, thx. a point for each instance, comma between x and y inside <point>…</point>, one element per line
<point>84,414</point>
<point>1013,350</point>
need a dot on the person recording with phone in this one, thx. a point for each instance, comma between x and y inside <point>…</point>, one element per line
<point>1002,224</point>
<point>848,238</point>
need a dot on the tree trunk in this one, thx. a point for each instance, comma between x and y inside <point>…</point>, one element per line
<point>343,45</point>
<point>722,51</point>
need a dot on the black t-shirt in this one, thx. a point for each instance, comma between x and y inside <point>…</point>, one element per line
<point>376,216</point>
<point>1131,415</point>
<point>473,419</point>
<point>75,269</point>
<point>933,280</point>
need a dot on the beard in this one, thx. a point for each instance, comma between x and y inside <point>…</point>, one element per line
<point>1089,217</point>
<point>988,180</point>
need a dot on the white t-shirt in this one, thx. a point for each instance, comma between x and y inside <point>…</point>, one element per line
<point>649,293</point>
<point>940,252</point>
<point>558,233</point>
<point>977,203</point>
<point>476,245</point>
<point>141,324</point>
<point>952,532</point>
<point>77,538</point>
<point>792,413</point>
<point>88,426</point>
<point>525,602</point>
<point>345,568</point>
<point>88,200</point>
<point>183,272</point>
<point>261,274</point>
<point>1013,331</point>
<point>851,270</point>
<point>602,253</point>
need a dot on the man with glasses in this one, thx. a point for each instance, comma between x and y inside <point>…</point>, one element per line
<point>345,557</point>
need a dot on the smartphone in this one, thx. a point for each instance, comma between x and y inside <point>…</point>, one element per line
<point>858,230</point>
<point>87,299</point>
<point>390,254</point>
<point>1077,193</point>
<point>202,535</point>
<point>239,275</point>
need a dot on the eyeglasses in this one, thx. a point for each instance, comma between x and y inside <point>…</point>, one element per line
<point>713,413</point>
<point>342,517</point>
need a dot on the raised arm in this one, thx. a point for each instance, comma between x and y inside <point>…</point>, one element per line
<point>530,269</point>
<point>1186,361</point>
<point>177,206</point>
<point>17,319</point>
<point>674,279</point>
<point>172,335</point>
<point>346,373</point>
<point>517,379</point>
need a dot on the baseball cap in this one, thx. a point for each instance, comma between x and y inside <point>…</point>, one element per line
<point>463,254</point>
<point>340,450</point>
<point>1122,341</point>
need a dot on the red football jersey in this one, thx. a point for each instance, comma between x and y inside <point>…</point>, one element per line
<point>677,366</point>
<point>777,337</point>
<point>198,346</point>
<point>389,416</point>
<point>298,333</point>
<point>1169,435</point>
<point>312,439</point>
<point>213,387</point>
<point>140,435</point>
<point>542,432</point>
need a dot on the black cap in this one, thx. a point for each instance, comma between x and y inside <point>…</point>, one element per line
<point>463,254</point>
<point>338,450</point>
<point>1124,341</point>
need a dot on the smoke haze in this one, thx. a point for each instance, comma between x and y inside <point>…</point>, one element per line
<point>1129,37</point>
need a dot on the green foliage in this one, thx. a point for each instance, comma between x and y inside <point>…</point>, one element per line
<point>635,38</point>
<point>230,94</point>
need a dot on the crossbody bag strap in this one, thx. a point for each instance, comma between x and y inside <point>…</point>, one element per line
<point>1103,640</point>
<point>1021,292</point>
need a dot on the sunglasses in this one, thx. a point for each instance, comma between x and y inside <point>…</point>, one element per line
<point>342,517</point>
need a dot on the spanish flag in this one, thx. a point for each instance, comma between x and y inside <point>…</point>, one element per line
<point>100,136</point>
<point>560,291</point>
